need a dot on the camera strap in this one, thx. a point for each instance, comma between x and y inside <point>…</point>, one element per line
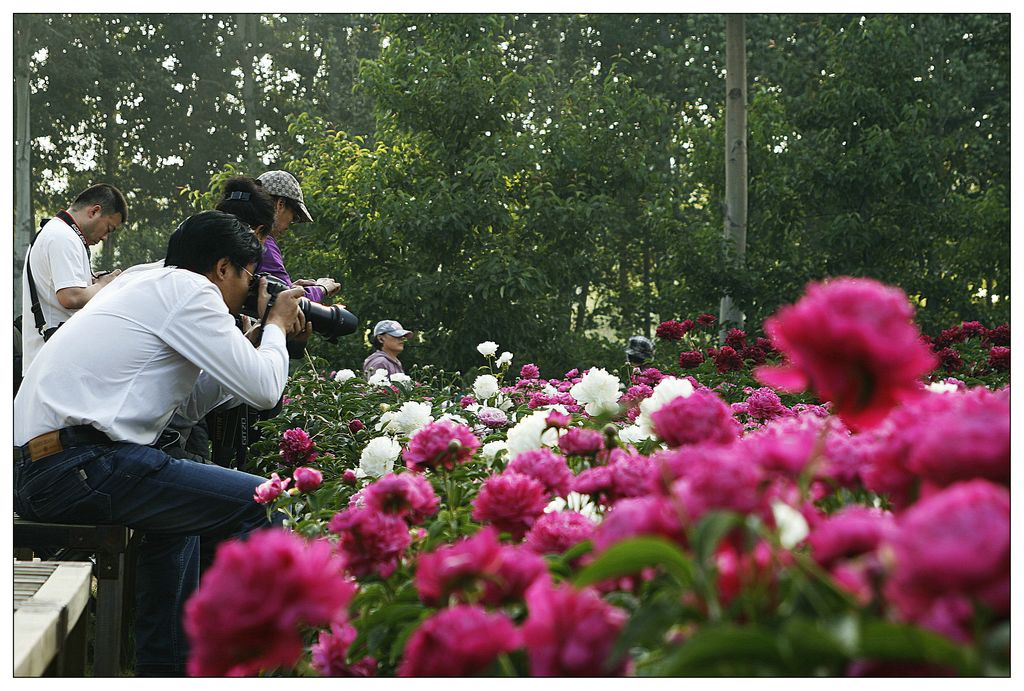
<point>37,309</point>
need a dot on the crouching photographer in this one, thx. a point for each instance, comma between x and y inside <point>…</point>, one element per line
<point>106,385</point>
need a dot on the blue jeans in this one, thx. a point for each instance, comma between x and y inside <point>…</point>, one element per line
<point>171,501</point>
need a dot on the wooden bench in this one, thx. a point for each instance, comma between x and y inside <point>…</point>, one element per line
<point>109,544</point>
<point>50,599</point>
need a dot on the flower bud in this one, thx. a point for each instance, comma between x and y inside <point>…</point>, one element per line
<point>355,425</point>
<point>349,477</point>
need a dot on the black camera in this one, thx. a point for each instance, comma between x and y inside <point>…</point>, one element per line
<point>330,321</point>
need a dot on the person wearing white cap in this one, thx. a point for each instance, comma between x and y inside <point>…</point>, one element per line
<point>388,341</point>
<point>289,208</point>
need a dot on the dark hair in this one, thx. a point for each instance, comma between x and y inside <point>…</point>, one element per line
<point>110,199</point>
<point>205,238</point>
<point>246,198</point>
<point>291,204</point>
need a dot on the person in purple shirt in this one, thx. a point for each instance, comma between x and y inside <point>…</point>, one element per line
<point>289,208</point>
<point>388,342</point>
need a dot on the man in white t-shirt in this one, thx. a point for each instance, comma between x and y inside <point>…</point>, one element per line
<point>101,391</point>
<point>59,260</point>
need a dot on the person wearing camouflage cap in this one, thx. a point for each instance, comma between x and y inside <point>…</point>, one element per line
<point>289,207</point>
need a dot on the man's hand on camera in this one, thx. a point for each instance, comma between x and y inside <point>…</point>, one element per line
<point>285,311</point>
<point>106,277</point>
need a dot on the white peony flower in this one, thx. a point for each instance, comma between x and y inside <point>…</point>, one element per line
<point>454,418</point>
<point>632,435</point>
<point>400,378</point>
<point>504,359</point>
<point>344,375</point>
<point>531,433</point>
<point>599,390</point>
<point>792,525</point>
<point>379,378</point>
<point>487,348</point>
<point>485,386</point>
<point>575,501</point>
<point>378,458</point>
<point>409,418</point>
<point>668,389</point>
<point>941,387</point>
<point>491,450</point>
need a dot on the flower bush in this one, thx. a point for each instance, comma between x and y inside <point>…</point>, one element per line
<point>682,518</point>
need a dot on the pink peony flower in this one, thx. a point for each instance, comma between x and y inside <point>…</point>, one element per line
<point>690,359</point>
<point>670,330</point>
<point>650,515</point>
<point>598,482</point>
<point>765,404</point>
<point>698,418</point>
<point>518,569</point>
<point>724,480</point>
<point>579,441</point>
<point>511,501</point>
<point>458,569</point>
<point>247,612</point>
<point>271,489</point>
<point>555,532</point>
<point>349,477</point>
<point>466,401</point>
<point>999,358</point>
<point>785,446</point>
<point>853,341</point>
<point>307,479</point>
<point>492,417</point>
<point>407,495</point>
<point>571,632</point>
<point>546,467</point>
<point>296,446</point>
<point>440,444</point>
<point>457,642</point>
<point>557,419</point>
<point>371,541</point>
<point>329,654</point>
<point>852,531</point>
<point>529,371</point>
<point>956,542</point>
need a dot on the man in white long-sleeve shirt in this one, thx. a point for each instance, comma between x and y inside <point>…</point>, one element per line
<point>107,383</point>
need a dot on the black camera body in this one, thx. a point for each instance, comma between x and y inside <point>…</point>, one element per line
<point>330,321</point>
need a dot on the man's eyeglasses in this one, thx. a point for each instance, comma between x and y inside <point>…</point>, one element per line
<point>251,276</point>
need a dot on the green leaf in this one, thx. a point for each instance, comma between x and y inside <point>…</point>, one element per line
<point>628,557</point>
<point>727,649</point>
<point>710,531</point>
<point>883,640</point>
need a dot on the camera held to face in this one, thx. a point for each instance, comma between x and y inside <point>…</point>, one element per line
<point>330,321</point>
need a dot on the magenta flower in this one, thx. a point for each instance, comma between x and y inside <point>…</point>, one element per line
<point>511,501</point>
<point>440,444</point>
<point>852,340</point>
<point>529,371</point>
<point>371,541</point>
<point>852,531</point>
<point>296,446</point>
<point>307,479</point>
<point>355,425</point>
<point>546,467</point>
<point>689,359</point>
<point>726,480</point>
<point>999,336</point>
<point>948,549</point>
<point>736,339</point>
<point>570,633</point>
<point>271,489</point>
<point>458,569</point>
<point>950,360</point>
<point>349,477</point>
<point>670,330</point>
<point>754,354</point>
<point>330,653</point>
<point>557,419</point>
<point>706,319</point>
<point>459,641</point>
<point>999,358</point>
<point>698,418</point>
<point>518,569</point>
<point>407,495</point>
<point>466,401</point>
<point>765,404</point>
<point>650,515</point>
<point>726,359</point>
<point>247,612</point>
<point>555,532</point>
<point>581,442</point>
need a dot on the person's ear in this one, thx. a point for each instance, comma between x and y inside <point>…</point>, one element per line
<point>94,211</point>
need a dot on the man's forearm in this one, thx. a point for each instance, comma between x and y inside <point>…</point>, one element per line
<point>76,298</point>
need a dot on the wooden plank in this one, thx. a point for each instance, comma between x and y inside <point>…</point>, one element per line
<point>43,619</point>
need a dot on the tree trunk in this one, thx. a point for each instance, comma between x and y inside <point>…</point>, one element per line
<point>735,158</point>
<point>247,39</point>
<point>24,221</point>
<point>581,307</point>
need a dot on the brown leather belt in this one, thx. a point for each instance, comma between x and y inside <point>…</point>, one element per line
<point>54,442</point>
